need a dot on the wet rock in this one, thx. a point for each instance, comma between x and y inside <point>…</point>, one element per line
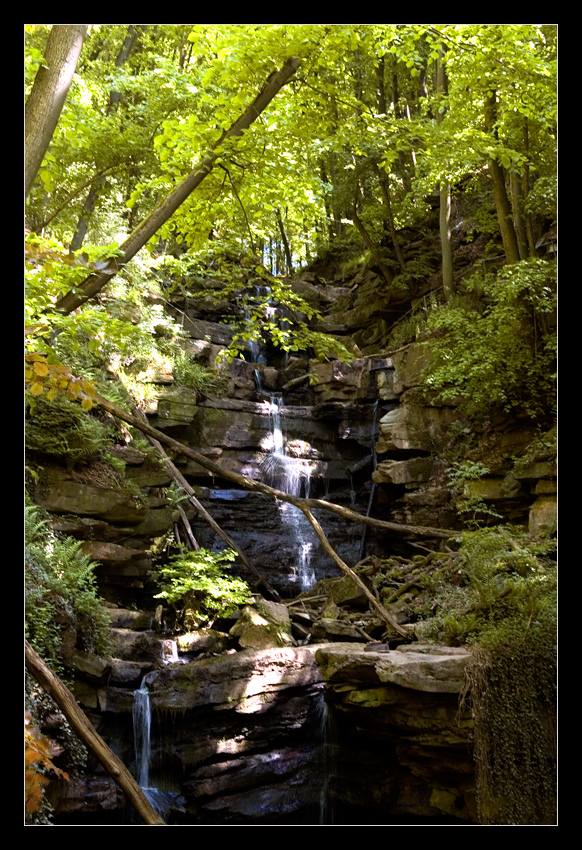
<point>204,640</point>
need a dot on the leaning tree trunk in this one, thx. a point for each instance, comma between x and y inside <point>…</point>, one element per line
<point>49,92</point>
<point>65,700</point>
<point>147,228</point>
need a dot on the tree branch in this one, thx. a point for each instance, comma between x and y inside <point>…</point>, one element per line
<point>181,481</point>
<point>349,572</point>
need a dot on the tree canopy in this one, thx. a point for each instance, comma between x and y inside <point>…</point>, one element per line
<point>364,124</point>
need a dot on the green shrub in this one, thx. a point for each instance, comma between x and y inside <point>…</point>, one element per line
<point>499,356</point>
<point>195,584</point>
<point>62,429</point>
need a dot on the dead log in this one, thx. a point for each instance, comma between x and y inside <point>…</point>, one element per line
<point>65,700</point>
<point>354,576</point>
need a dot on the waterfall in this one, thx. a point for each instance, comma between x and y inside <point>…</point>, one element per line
<point>142,717</point>
<point>293,476</point>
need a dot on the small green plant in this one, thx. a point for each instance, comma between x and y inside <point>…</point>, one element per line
<point>471,507</point>
<point>196,585</point>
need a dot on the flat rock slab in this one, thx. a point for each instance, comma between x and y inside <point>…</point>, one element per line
<point>242,681</point>
<point>420,667</point>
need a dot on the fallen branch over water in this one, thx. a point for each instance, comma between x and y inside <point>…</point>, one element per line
<point>181,481</point>
<point>271,492</point>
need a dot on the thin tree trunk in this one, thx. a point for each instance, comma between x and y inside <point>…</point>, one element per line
<point>49,92</point>
<point>85,217</point>
<point>144,231</point>
<point>445,194</point>
<point>114,98</point>
<point>65,700</point>
<point>531,242</point>
<point>354,576</point>
<point>386,273</point>
<point>285,242</point>
<point>518,220</point>
<point>73,195</point>
<point>502,204</point>
<point>385,189</point>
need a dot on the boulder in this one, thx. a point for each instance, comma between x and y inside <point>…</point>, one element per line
<point>543,516</point>
<point>413,471</point>
<point>412,426</point>
<point>262,625</point>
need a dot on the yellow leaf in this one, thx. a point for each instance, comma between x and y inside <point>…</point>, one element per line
<point>41,369</point>
<point>86,404</point>
<point>36,389</point>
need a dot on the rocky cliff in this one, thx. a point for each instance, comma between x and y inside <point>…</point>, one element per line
<point>236,730</point>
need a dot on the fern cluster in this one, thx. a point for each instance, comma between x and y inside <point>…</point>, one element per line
<point>61,594</point>
<point>501,589</point>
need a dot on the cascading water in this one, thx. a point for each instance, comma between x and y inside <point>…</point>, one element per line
<point>291,475</point>
<point>162,801</point>
<point>142,717</point>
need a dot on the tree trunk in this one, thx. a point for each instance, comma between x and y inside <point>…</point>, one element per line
<point>518,220</point>
<point>65,700</point>
<point>385,189</point>
<point>48,95</point>
<point>445,194</point>
<point>147,228</point>
<point>285,243</point>
<point>114,99</point>
<point>502,205</point>
<point>85,217</point>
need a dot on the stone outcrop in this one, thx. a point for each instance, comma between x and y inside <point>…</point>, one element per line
<point>404,744</point>
<point>248,737</point>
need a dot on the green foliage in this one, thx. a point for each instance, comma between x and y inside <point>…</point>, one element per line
<point>61,593</point>
<point>501,590</point>
<point>62,429</point>
<point>472,508</point>
<point>196,585</point>
<point>497,356</point>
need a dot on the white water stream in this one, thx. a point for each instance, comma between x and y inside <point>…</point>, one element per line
<point>142,717</point>
<point>293,476</point>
